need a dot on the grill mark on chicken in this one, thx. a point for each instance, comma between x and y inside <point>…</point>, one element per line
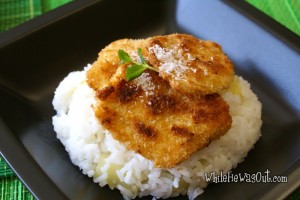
<point>161,103</point>
<point>105,92</point>
<point>127,92</point>
<point>144,130</point>
<point>182,132</point>
<point>205,115</point>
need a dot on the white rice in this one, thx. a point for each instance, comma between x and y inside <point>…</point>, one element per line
<point>99,156</point>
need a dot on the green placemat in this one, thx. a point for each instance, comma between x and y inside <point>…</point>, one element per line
<point>11,188</point>
<point>286,12</point>
<point>14,12</point>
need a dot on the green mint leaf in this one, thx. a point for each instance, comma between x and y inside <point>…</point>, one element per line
<point>134,71</point>
<point>141,56</point>
<point>136,68</point>
<point>124,57</point>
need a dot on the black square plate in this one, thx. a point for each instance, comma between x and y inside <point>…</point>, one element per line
<point>37,55</point>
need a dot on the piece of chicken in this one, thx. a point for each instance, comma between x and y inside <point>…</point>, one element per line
<point>190,65</point>
<point>147,115</point>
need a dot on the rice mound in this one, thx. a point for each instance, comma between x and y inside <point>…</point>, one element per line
<point>108,162</point>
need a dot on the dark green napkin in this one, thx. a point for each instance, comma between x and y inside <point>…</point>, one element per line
<point>286,12</point>
<point>10,186</point>
<point>14,12</point>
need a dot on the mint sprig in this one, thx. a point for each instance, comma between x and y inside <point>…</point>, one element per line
<point>135,68</point>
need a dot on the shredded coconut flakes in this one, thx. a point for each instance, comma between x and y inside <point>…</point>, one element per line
<point>145,82</point>
<point>173,62</point>
<point>135,56</point>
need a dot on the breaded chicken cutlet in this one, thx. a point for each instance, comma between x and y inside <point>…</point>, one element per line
<point>167,115</point>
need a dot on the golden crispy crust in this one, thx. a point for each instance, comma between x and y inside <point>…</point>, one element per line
<point>197,67</point>
<point>147,115</point>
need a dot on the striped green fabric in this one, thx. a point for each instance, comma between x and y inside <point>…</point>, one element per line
<point>11,188</point>
<point>286,12</point>
<point>51,4</point>
<point>15,12</point>
<point>5,171</point>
